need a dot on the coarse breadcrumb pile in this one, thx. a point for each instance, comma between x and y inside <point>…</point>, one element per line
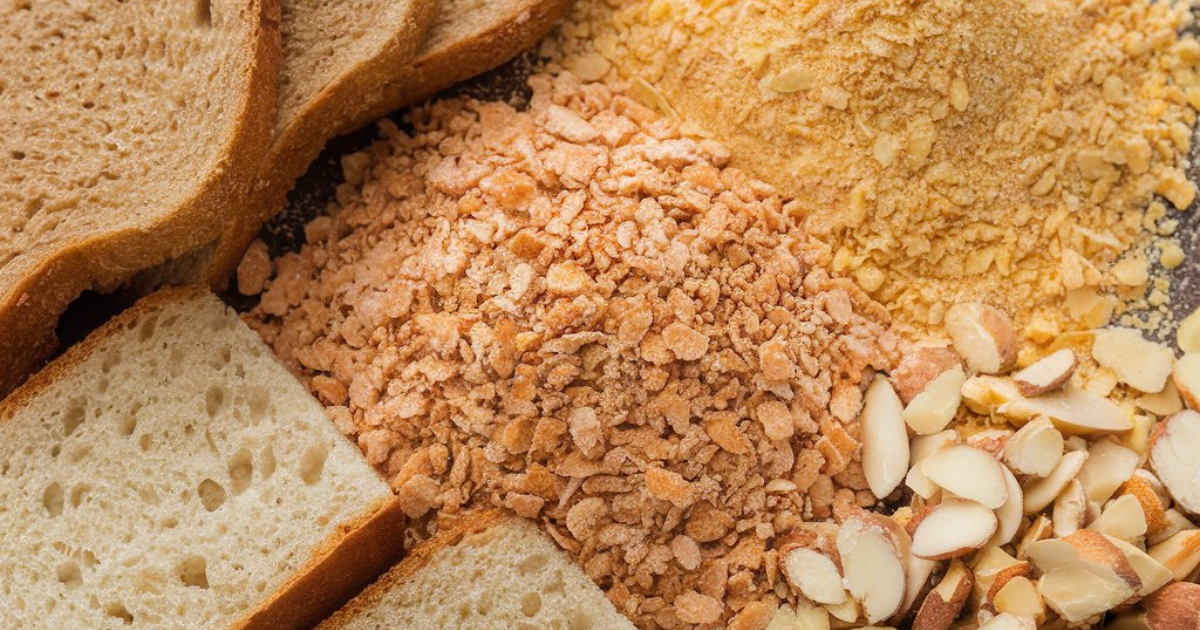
<point>573,312</point>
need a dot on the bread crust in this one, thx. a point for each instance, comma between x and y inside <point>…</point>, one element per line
<point>37,286</point>
<point>348,561</point>
<point>413,563</point>
<point>437,66</point>
<point>328,115</point>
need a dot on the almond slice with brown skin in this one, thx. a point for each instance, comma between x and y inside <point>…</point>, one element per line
<point>1072,410</point>
<point>951,529</point>
<point>1175,458</point>
<point>1035,449</point>
<point>1153,574</point>
<point>1047,374</point>
<point>849,611</point>
<point>1144,487</point>
<point>1176,607</point>
<point>884,435</point>
<point>809,563</point>
<point>873,568</point>
<point>945,602</point>
<point>1186,377</point>
<point>1108,467</point>
<point>986,394</point>
<point>1083,575</point>
<point>1042,492</point>
<point>1175,522</point>
<point>919,367</point>
<point>1179,553</point>
<point>1041,528</point>
<point>969,473</point>
<point>934,408</point>
<point>1019,596</point>
<point>983,336</point>
<point>987,565</point>
<point>1020,569</point>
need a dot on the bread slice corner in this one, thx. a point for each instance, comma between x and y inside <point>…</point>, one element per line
<point>491,570</point>
<point>168,472</point>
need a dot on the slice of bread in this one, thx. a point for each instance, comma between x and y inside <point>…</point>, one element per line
<point>336,55</point>
<point>126,130</point>
<point>169,473</point>
<point>467,37</point>
<point>493,570</point>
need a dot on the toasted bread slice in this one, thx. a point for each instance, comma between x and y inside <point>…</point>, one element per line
<point>493,570</point>
<point>467,37</point>
<point>128,128</point>
<point>169,473</point>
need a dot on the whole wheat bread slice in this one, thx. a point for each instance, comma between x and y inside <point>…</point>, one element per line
<point>336,55</point>
<point>467,37</point>
<point>168,472</point>
<point>493,570</point>
<point>126,131</point>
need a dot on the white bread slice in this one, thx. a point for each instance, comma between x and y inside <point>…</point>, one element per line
<point>493,570</point>
<point>467,37</point>
<point>169,473</point>
<point>126,129</point>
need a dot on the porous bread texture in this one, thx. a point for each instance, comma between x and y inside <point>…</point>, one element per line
<point>175,477</point>
<point>466,38</point>
<point>125,130</point>
<point>492,571</point>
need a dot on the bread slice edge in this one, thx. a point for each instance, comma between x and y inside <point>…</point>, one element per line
<point>34,294</point>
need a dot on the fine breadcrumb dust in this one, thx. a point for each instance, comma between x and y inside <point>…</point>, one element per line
<point>576,313</point>
<point>950,150</point>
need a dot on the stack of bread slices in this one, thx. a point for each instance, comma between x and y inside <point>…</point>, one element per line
<point>168,472</point>
<point>145,143</point>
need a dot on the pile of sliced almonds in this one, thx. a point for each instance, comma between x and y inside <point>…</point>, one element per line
<point>1075,508</point>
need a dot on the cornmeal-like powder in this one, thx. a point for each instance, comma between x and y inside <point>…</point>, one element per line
<point>577,314</point>
<point>950,150</point>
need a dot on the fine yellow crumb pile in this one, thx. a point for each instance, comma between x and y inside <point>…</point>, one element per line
<point>950,150</point>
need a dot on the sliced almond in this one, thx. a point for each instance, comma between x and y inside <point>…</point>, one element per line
<point>1176,607</point>
<point>1179,553</point>
<point>885,452</point>
<point>812,569</point>
<point>1041,528</point>
<point>919,367</point>
<point>945,602</point>
<point>1009,515</point>
<point>1137,362</point>
<point>1175,458</point>
<point>952,528</point>
<point>1042,492</point>
<point>1070,509</point>
<point>1122,518</point>
<point>919,449</point>
<point>1152,503</point>
<point>1153,574</point>
<point>917,572</point>
<point>1164,403</point>
<point>1175,522</point>
<point>969,473</point>
<point>1109,465</point>
<point>983,336</point>
<point>873,568</point>
<point>848,612</point>
<point>1002,578</point>
<point>1007,621</point>
<point>1047,374</point>
<point>1019,596</point>
<point>987,565</point>
<point>1188,335</point>
<point>800,618</point>
<point>1186,377</point>
<point>1035,449</point>
<point>992,440</point>
<point>985,394</point>
<point>1083,575</point>
<point>934,408</point>
<point>1072,410</point>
